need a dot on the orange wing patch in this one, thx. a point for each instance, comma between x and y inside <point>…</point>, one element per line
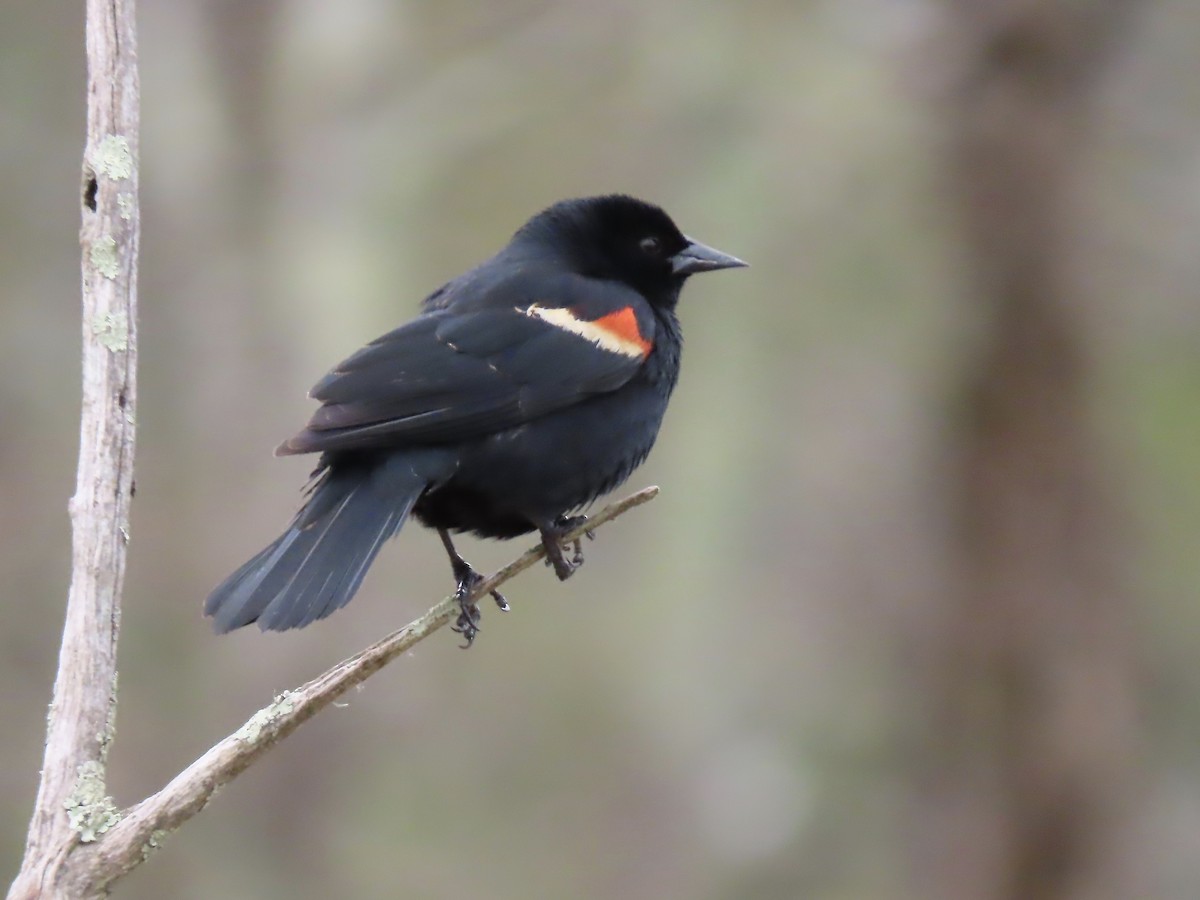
<point>623,326</point>
<point>616,332</point>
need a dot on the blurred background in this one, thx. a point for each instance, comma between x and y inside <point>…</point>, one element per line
<point>916,612</point>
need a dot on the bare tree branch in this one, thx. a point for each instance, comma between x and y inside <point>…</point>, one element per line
<point>143,827</point>
<point>79,843</point>
<point>71,801</point>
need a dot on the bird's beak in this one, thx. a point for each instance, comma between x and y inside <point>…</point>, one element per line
<point>698,257</point>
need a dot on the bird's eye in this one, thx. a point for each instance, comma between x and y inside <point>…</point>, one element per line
<point>651,246</point>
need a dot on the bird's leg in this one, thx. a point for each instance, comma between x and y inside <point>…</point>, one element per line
<point>552,534</point>
<point>467,623</point>
<point>466,576</point>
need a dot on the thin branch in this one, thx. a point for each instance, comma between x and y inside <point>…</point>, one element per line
<point>143,827</point>
<point>71,800</point>
<point>79,843</point>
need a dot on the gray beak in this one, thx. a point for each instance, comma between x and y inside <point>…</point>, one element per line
<point>698,257</point>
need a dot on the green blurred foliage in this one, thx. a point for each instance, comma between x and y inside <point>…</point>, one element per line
<point>718,705</point>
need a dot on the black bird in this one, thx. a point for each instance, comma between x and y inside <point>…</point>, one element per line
<point>526,388</point>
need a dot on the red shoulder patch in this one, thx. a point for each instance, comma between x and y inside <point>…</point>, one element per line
<point>616,332</point>
<point>623,326</point>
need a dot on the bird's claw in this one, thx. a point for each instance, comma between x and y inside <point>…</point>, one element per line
<point>551,540</point>
<point>564,568</point>
<point>467,623</point>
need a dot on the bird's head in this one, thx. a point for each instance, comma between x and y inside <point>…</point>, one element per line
<point>620,238</point>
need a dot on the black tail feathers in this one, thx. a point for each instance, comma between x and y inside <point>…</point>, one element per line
<point>316,566</point>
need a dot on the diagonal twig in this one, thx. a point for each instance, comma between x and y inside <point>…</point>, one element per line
<point>144,825</point>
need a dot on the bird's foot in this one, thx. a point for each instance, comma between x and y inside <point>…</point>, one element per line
<point>467,623</point>
<point>552,541</point>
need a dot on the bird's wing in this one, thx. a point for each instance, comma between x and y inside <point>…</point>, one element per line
<point>454,374</point>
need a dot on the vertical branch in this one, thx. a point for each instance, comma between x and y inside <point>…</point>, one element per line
<point>72,803</point>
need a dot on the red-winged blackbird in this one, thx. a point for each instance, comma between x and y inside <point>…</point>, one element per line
<point>526,388</point>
